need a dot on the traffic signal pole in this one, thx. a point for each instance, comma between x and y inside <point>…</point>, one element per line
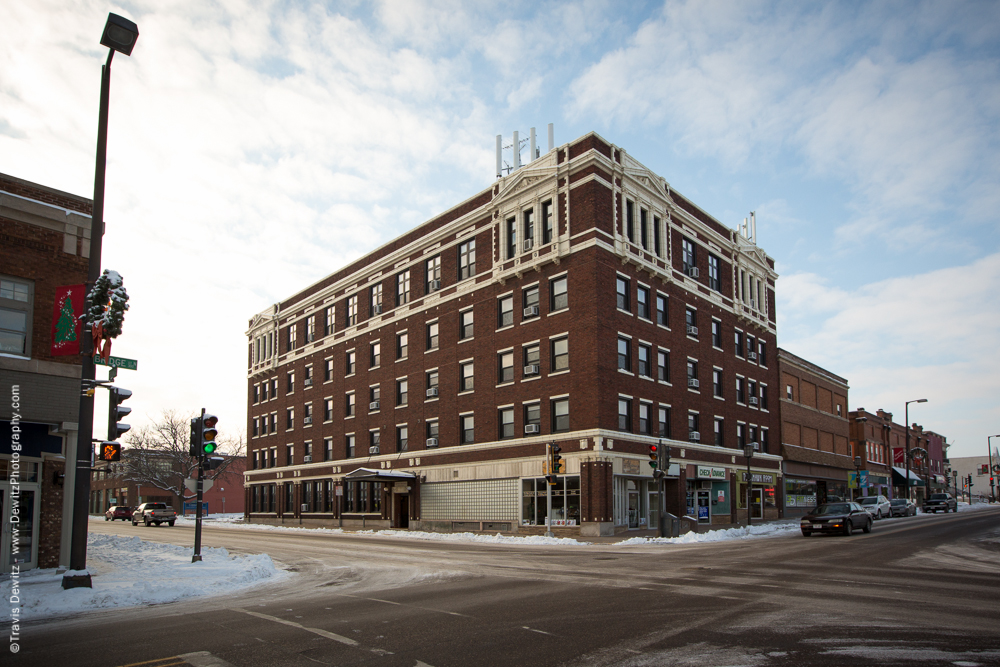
<point>201,476</point>
<point>548,492</point>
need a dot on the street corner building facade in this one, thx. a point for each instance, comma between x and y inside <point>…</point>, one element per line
<point>44,252</point>
<point>578,301</point>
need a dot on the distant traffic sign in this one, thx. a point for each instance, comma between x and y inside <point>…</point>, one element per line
<point>118,362</point>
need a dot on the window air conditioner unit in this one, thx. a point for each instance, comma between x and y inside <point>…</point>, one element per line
<point>693,382</point>
<point>307,420</point>
<point>693,271</point>
<point>753,400</point>
<point>435,285</point>
<point>377,309</point>
<point>432,391</point>
<point>694,436</point>
<point>528,244</point>
<point>692,331</point>
<point>373,405</point>
<point>308,382</point>
<point>432,442</point>
<point>753,304</point>
<point>531,369</point>
<point>373,450</point>
<point>530,428</point>
<point>756,445</point>
<point>304,508</point>
<point>531,311</point>
<point>307,458</point>
<point>752,356</point>
<point>705,484</point>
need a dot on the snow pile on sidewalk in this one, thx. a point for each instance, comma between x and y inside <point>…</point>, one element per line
<point>725,535</point>
<point>128,572</point>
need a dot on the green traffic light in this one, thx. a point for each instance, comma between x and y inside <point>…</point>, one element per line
<point>210,447</point>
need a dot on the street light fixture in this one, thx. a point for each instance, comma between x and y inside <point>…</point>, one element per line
<point>989,464</point>
<point>906,412</point>
<point>120,35</point>
<point>748,453</point>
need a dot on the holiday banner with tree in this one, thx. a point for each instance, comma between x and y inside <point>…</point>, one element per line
<point>69,304</point>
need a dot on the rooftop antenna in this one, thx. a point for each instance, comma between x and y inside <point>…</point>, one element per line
<point>503,167</point>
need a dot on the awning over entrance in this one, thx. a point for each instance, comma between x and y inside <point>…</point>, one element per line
<point>372,475</point>
<point>899,477</point>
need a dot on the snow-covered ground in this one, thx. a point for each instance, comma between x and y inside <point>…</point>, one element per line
<point>128,572</point>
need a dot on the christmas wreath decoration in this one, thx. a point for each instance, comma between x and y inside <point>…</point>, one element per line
<point>108,303</point>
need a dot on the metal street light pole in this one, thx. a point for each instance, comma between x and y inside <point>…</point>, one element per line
<point>857,471</point>
<point>748,453</point>
<point>120,34</point>
<point>906,411</point>
<point>989,463</point>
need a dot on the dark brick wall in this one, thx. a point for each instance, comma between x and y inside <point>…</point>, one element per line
<point>50,514</point>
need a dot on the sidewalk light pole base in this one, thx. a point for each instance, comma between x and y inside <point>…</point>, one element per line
<point>77,581</point>
<point>196,558</point>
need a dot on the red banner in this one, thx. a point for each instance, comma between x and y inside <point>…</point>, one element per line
<point>66,320</point>
<point>898,456</point>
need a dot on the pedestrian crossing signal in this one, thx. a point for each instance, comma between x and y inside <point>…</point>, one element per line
<point>111,451</point>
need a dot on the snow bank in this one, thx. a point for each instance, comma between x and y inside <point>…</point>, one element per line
<point>128,572</point>
<point>726,535</point>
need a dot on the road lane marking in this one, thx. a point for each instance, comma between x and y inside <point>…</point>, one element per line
<point>402,604</point>
<point>541,632</point>
<point>204,659</point>
<point>316,631</point>
<point>161,662</point>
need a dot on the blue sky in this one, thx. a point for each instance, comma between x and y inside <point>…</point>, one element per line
<point>256,147</point>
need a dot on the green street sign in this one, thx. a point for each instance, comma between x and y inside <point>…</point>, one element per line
<point>118,362</point>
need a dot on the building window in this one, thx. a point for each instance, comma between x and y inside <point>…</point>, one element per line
<point>375,358</point>
<point>694,433</point>
<point>432,432</point>
<point>691,320</point>
<point>741,396</point>
<point>752,436</point>
<point>663,421</point>
<point>532,356</point>
<point>402,288</point>
<point>327,409</point>
<point>465,325</point>
<point>788,392</point>
<point>349,404</point>
<point>645,418</point>
<point>327,449</point>
<point>717,334</point>
<point>739,344</point>
<point>402,392</point>
<point>274,422</point>
<point>624,414</point>
<point>290,383</point>
<point>466,382</point>
<point>256,394</point>
<point>352,310</point>
<point>547,222</point>
<point>751,345</point>
<point>714,280</point>
<point>763,399</point>
<point>310,329</point>
<point>505,420</point>
<point>645,362</point>
<point>467,259</point>
<point>558,297</point>
<point>687,255</point>
<point>741,435</point>
<point>533,416</point>
<point>327,370</point>
<point>642,301</point>
<point>374,398</point>
<point>308,376</point>
<point>752,389</point>
<point>560,354</point>
<point>717,382</point>
<point>528,218</point>
<point>505,311</point>
<point>468,425</point>
<point>662,317</point>
<point>289,460</point>
<point>432,335</point>
<point>432,269</point>
<point>350,362</point>
<point>529,297</point>
<point>622,288</point>
<point>291,336</point>
<point>692,373</point>
<point>663,365</point>
<point>274,388</point>
<point>656,236</point>
<point>505,367</point>
<point>256,422</point>
<point>432,383</point>
<point>764,447</point>
<point>328,320</point>
<point>289,418</point>
<point>263,391</point>
<point>630,221</point>
<point>560,415</point>
<point>349,441</point>
<point>762,353</point>
<point>374,442</point>
<point>402,345</point>
<point>16,312</point>
<point>624,354</point>
<point>719,429</point>
<point>402,438</point>
<point>376,299</point>
<point>511,238</point>
<point>643,232</point>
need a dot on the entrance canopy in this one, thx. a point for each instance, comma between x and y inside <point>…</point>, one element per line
<point>372,475</point>
<point>899,477</point>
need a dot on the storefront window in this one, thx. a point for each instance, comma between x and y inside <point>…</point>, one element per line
<point>565,501</point>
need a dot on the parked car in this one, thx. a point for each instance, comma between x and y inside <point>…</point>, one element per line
<point>118,512</point>
<point>902,507</point>
<point>154,513</point>
<point>877,506</point>
<point>940,502</point>
<point>836,518</point>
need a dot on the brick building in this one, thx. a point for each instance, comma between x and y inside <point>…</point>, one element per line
<point>579,300</point>
<point>815,434</point>
<point>881,443</point>
<point>44,245</point>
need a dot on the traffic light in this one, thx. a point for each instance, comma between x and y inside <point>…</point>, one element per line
<point>557,464</point>
<point>194,449</point>
<point>208,433</point>
<point>110,451</point>
<point>117,411</point>
<point>213,462</point>
<point>654,457</point>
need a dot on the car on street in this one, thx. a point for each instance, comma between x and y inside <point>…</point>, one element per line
<point>154,513</point>
<point>902,507</point>
<point>940,502</point>
<point>836,518</point>
<point>118,512</point>
<point>877,506</point>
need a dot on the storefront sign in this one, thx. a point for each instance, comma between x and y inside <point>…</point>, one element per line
<point>758,478</point>
<point>630,466</point>
<point>708,472</point>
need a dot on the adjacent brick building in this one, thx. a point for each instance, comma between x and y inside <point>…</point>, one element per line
<point>579,300</point>
<point>44,245</point>
<point>882,444</point>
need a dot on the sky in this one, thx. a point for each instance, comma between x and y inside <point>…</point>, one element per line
<point>256,147</point>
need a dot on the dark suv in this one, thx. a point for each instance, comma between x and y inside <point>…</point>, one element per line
<point>940,502</point>
<point>118,512</point>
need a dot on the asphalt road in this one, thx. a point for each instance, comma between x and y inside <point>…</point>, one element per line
<point>921,590</point>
